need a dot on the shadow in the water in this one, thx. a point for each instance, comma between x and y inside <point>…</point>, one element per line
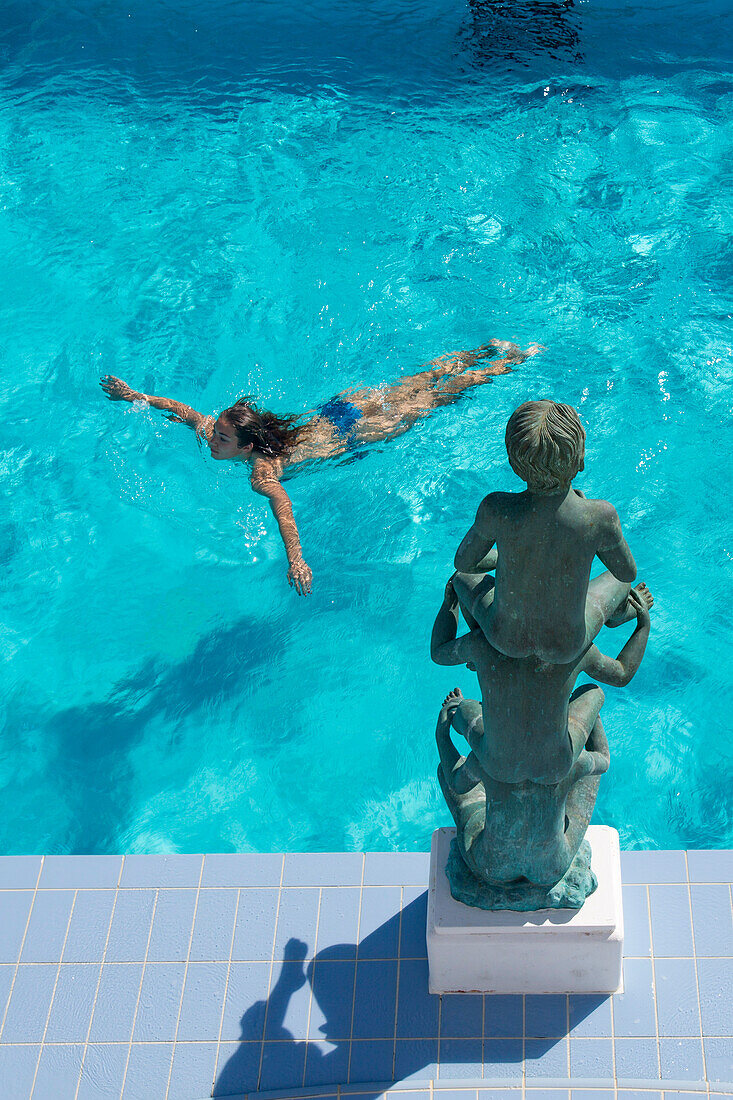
<point>518,32</point>
<point>371,1018</point>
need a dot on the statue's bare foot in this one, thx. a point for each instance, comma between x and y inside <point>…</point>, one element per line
<point>630,609</point>
<point>452,701</point>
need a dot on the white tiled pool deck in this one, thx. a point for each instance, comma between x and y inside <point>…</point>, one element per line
<point>182,977</point>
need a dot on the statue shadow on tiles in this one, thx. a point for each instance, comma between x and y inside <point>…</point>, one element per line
<point>523,796</point>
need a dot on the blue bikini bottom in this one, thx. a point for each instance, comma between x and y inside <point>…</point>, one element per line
<point>343,415</point>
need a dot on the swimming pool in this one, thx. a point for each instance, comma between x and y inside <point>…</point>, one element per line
<point>286,200</point>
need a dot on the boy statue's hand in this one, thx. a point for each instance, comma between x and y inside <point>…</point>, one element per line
<point>449,596</point>
<point>641,604</point>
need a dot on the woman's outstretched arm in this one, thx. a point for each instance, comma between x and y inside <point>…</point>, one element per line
<point>265,482</point>
<point>117,390</point>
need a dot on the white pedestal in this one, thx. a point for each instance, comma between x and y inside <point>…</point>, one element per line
<point>546,951</point>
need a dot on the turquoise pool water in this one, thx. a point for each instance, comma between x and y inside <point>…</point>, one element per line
<point>287,200</point>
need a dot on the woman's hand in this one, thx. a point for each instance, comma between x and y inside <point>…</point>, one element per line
<point>300,577</point>
<point>117,390</point>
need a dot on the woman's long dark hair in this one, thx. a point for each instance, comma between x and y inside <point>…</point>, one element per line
<point>269,434</point>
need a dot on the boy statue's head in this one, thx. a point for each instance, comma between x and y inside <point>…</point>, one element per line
<point>546,445</point>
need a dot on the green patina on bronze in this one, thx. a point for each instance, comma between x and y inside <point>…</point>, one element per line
<point>523,797</point>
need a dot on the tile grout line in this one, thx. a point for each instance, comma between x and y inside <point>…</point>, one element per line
<point>229,971</point>
<point>613,1032</point>
<point>310,995</point>
<point>22,945</point>
<point>356,968</point>
<point>697,978</point>
<point>483,1034</point>
<point>53,994</point>
<point>524,1043</point>
<point>272,963</point>
<point>654,981</point>
<point>567,1029</point>
<point>140,987</point>
<point>397,989</point>
<point>99,977</point>
<point>185,975</point>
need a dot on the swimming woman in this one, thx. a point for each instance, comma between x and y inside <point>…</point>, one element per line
<point>270,443</point>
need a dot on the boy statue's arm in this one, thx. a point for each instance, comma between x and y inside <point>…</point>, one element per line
<point>477,553</point>
<point>445,648</point>
<point>614,550</point>
<point>618,673</point>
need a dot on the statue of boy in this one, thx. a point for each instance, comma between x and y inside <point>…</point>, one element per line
<point>542,543</point>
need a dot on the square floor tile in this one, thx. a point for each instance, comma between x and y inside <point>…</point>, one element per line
<point>546,1057</point>
<point>653,867</point>
<point>713,920</point>
<point>716,995</point>
<point>130,929</point>
<point>591,1058</point>
<point>338,924</point>
<point>676,985</point>
<point>89,925</point>
<point>160,1001</point>
<point>323,869</point>
<point>103,1071</point>
<point>636,921</point>
<point>719,1059</point>
<point>170,937</point>
<point>47,926</point>
<point>292,996</point>
<point>58,1072</point>
<point>379,926</point>
<point>19,872</point>
<point>114,1012</point>
<point>375,1000</point>
<point>503,1058</point>
<point>416,1059</point>
<point>417,1009</point>
<point>590,1015</point>
<point>461,1016</point>
<point>397,868</point>
<point>546,1017</point>
<point>238,1068</point>
<point>73,1001</point>
<point>246,1001</point>
<point>283,1065</point>
<point>633,1010</point>
<point>214,926</point>
<point>17,1070</point>
<point>254,931</point>
<point>372,1060</point>
<point>503,1016</point>
<point>326,1064</point>
<point>460,1058</point>
<point>296,920</point>
<point>243,869</point>
<point>203,1002</point>
<point>333,999</point>
<point>30,1002</point>
<point>80,872</point>
<point>711,866</point>
<point>413,943</point>
<point>14,909</point>
<point>161,870</point>
<point>193,1070</point>
<point>671,920</point>
<point>637,1059</point>
<point>681,1059</point>
<point>148,1071</point>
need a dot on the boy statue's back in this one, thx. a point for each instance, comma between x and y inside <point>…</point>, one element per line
<point>542,543</point>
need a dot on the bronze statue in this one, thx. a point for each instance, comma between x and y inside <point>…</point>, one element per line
<point>523,797</point>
